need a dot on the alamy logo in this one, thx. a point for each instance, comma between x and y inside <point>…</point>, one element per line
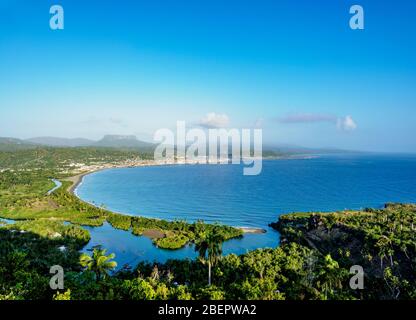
<point>56,21</point>
<point>211,146</point>
<point>57,280</point>
<point>357,20</point>
<point>357,280</point>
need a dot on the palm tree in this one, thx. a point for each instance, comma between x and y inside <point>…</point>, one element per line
<point>330,276</point>
<point>383,244</point>
<point>98,263</point>
<point>209,247</point>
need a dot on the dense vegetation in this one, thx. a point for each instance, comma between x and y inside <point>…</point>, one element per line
<point>382,241</point>
<point>312,262</point>
<point>262,274</point>
<point>174,234</point>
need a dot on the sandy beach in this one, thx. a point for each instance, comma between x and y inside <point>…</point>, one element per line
<point>76,180</point>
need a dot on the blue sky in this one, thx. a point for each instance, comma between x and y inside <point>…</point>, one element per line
<point>294,68</point>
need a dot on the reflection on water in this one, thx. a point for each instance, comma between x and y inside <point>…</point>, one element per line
<point>131,249</point>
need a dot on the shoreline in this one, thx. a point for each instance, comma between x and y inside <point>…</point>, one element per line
<point>77,181</point>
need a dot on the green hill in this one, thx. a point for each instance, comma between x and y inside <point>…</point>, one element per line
<point>12,144</point>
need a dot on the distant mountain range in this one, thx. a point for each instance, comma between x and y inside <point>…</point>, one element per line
<point>131,142</point>
<point>12,144</point>
<point>109,141</point>
<point>61,142</point>
<point>117,141</point>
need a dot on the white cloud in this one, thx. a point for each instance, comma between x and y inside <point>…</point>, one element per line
<point>214,120</point>
<point>346,123</point>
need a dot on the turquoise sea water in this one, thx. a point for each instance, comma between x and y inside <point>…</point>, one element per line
<point>221,193</point>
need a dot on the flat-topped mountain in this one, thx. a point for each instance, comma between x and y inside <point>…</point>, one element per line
<point>122,141</point>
